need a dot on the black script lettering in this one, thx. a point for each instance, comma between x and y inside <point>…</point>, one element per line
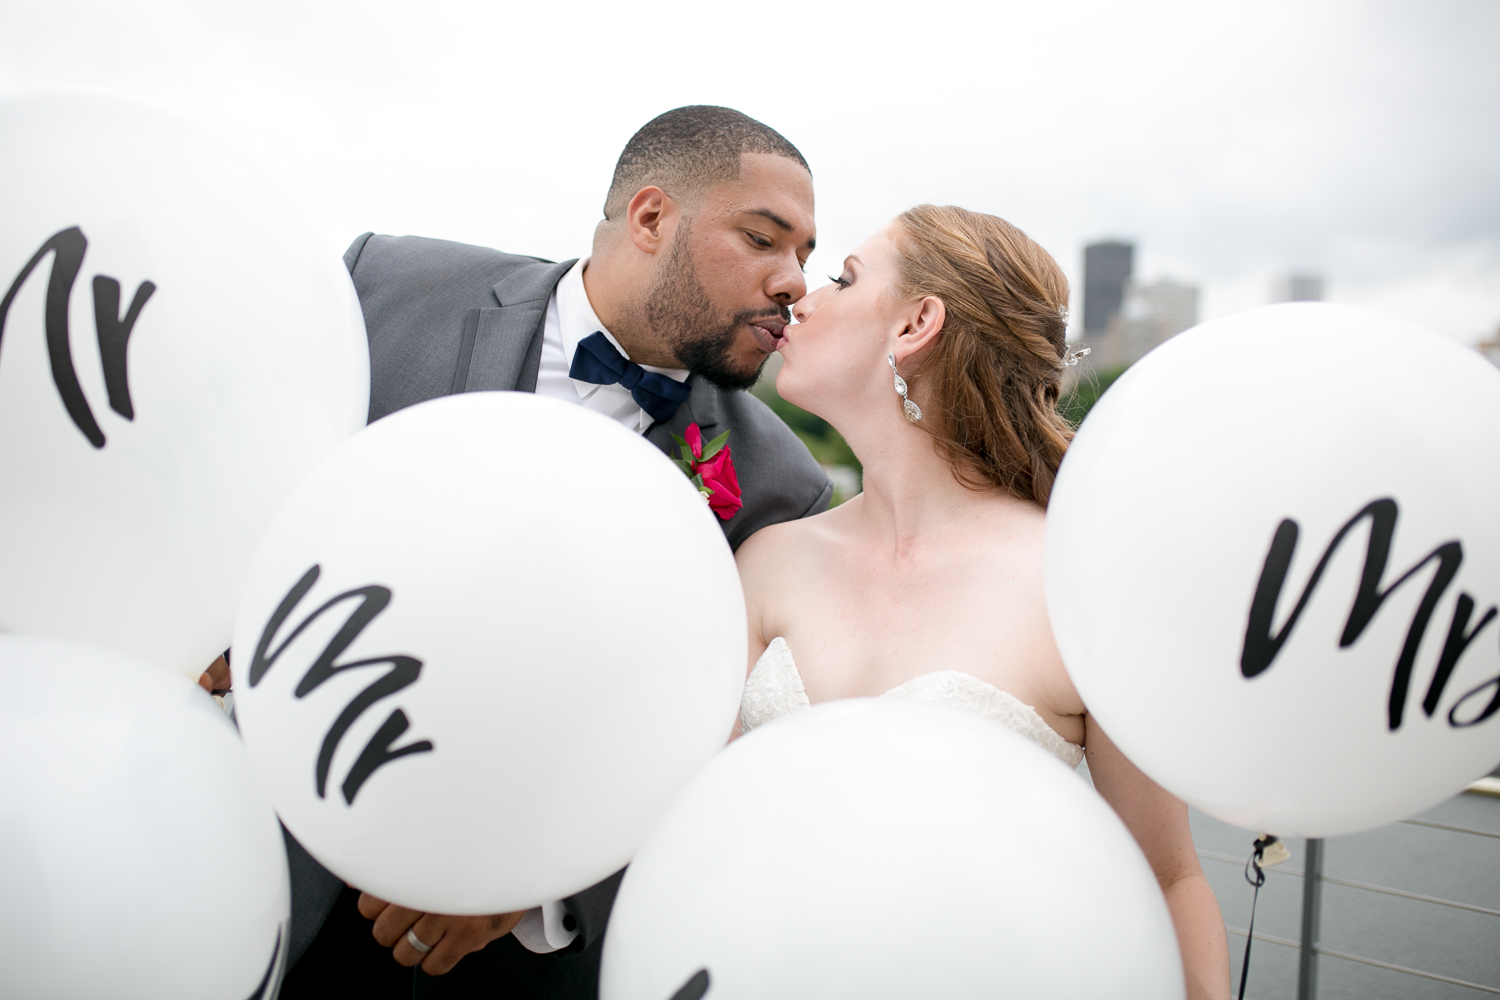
<point>1489,710</point>
<point>694,988</point>
<point>1459,637</point>
<point>378,752</point>
<point>1262,646</point>
<point>114,334</point>
<point>404,671</point>
<point>68,247</point>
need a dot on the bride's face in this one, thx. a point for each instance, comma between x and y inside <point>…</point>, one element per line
<point>836,350</point>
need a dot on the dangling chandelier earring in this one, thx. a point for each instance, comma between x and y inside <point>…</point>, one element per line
<point>912,410</point>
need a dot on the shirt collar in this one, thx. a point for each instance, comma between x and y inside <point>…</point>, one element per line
<point>576,320</point>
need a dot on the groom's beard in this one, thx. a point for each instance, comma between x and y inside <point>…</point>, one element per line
<point>702,337</point>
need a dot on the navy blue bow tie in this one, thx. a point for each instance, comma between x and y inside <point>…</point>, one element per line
<point>597,361</point>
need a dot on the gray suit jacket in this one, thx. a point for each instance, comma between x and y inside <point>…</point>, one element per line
<point>447,317</point>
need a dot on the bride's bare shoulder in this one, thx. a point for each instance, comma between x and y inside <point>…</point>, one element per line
<point>1016,523</point>
<point>789,541</point>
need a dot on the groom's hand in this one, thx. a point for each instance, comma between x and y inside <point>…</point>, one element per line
<point>216,677</point>
<point>450,938</point>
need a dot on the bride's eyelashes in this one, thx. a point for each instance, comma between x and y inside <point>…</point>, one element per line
<point>843,283</point>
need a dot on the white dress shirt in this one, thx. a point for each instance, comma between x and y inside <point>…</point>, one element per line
<point>547,928</point>
<point>570,318</point>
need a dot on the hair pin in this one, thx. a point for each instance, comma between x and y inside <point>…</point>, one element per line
<point>1071,358</point>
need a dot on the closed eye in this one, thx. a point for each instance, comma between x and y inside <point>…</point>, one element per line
<point>841,282</point>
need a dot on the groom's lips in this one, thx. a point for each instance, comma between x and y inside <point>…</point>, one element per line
<point>769,334</point>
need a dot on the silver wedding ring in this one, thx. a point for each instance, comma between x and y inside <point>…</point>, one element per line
<point>416,942</point>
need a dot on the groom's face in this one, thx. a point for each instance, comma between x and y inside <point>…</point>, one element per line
<point>722,294</point>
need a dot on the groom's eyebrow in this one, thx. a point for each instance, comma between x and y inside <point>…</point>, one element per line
<point>784,225</point>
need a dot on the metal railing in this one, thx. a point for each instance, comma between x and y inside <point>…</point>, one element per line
<point>1313,878</point>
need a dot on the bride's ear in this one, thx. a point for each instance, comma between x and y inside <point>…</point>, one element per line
<point>924,325</point>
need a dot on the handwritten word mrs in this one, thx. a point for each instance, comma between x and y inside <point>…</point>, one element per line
<point>1262,645</point>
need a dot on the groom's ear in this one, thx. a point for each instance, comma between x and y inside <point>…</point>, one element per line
<point>651,219</point>
<point>924,325</point>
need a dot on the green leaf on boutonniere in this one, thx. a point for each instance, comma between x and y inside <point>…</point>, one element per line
<point>698,482</point>
<point>712,447</point>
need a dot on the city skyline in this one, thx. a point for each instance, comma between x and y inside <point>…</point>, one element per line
<point>1118,306</point>
<point>1123,317</point>
<point>1355,140</point>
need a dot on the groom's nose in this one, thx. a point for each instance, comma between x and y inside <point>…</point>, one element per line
<point>787,283</point>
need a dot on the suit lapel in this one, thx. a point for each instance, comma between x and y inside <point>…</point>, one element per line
<point>701,408</point>
<point>502,346</point>
<point>502,349</point>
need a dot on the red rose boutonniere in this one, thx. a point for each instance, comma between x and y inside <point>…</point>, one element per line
<point>711,469</point>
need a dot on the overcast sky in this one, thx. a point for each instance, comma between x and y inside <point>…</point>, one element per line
<point>1230,142</point>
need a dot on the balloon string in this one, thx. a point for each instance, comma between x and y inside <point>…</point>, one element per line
<point>1257,880</point>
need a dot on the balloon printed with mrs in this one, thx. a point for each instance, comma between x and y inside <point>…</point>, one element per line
<point>1272,572</point>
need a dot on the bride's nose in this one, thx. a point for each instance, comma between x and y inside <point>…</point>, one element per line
<point>804,307</point>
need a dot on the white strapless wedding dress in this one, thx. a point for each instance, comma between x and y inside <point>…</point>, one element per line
<point>774,688</point>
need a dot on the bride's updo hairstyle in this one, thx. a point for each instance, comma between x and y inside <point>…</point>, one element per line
<point>991,384</point>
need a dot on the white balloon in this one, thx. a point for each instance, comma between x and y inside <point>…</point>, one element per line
<point>875,849</point>
<point>184,349</point>
<point>137,856</point>
<point>1245,441</point>
<point>553,630</point>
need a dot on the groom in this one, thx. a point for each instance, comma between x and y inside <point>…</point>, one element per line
<point>707,224</point>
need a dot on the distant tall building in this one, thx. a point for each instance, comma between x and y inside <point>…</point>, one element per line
<point>1298,288</point>
<point>1106,269</point>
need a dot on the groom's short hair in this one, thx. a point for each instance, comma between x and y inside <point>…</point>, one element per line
<point>688,150</point>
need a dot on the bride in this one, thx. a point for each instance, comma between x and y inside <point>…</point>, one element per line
<point>938,354</point>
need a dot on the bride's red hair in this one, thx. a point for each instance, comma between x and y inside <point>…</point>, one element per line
<point>990,386</point>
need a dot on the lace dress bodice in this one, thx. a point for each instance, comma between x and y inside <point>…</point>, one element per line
<point>775,688</point>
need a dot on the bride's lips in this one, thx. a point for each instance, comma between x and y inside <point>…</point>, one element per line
<point>769,334</point>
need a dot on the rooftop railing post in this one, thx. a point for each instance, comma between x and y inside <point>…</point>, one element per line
<point>1312,912</point>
